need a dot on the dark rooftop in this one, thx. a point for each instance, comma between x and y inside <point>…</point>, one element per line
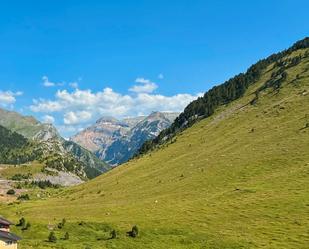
<point>9,236</point>
<point>5,221</point>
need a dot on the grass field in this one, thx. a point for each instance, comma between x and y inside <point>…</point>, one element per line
<point>7,171</point>
<point>238,179</point>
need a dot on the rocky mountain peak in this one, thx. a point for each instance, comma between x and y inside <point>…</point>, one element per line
<point>115,141</point>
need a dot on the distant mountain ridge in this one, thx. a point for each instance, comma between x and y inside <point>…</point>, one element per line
<point>116,141</point>
<point>46,138</point>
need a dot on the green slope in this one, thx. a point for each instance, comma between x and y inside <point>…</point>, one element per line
<point>229,91</point>
<point>14,148</point>
<point>237,179</point>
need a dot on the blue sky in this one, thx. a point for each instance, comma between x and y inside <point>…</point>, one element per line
<point>70,62</point>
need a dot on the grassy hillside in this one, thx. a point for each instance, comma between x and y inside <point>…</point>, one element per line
<point>229,91</point>
<point>15,148</point>
<point>237,179</point>
<point>8,171</point>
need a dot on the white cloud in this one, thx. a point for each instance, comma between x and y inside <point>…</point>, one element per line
<point>48,83</point>
<point>8,98</point>
<point>72,118</point>
<point>73,84</point>
<point>19,93</point>
<point>144,86</point>
<point>161,76</point>
<point>48,119</point>
<point>81,107</point>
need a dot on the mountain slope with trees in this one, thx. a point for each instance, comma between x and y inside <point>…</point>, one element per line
<point>229,91</point>
<point>50,147</point>
<point>14,148</point>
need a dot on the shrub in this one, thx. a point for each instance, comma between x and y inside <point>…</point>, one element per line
<point>24,197</point>
<point>52,237</point>
<point>43,184</point>
<point>22,222</point>
<point>26,226</point>
<point>20,177</point>
<point>113,234</point>
<point>11,192</point>
<point>66,236</point>
<point>134,232</point>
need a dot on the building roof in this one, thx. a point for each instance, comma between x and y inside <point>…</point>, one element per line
<point>5,222</point>
<point>9,236</point>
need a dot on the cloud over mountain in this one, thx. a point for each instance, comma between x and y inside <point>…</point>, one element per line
<point>78,106</point>
<point>143,86</point>
<point>8,98</point>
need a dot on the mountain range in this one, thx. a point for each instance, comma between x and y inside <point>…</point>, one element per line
<point>116,141</point>
<point>44,141</point>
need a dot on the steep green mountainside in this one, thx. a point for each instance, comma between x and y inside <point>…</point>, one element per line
<point>93,166</point>
<point>229,91</point>
<point>62,154</point>
<point>236,179</point>
<point>14,148</point>
<point>11,139</point>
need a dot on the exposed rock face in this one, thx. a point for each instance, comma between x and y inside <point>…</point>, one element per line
<point>59,178</point>
<point>100,135</point>
<point>116,141</point>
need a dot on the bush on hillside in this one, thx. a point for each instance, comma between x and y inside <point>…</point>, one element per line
<point>52,237</point>
<point>62,223</point>
<point>26,226</point>
<point>20,177</point>
<point>22,222</point>
<point>113,234</point>
<point>44,184</point>
<point>10,192</point>
<point>134,232</point>
<point>24,197</point>
<point>66,236</point>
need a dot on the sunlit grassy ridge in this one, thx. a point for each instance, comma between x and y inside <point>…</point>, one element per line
<point>237,179</point>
